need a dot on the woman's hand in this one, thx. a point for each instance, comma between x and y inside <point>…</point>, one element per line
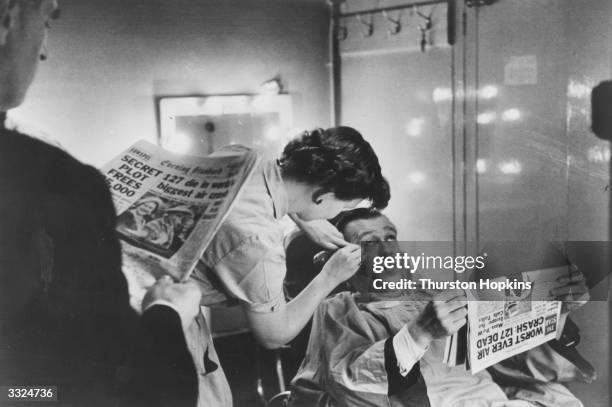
<point>321,232</point>
<point>343,264</point>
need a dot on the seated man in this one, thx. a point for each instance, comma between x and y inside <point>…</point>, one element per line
<point>368,348</point>
<point>365,347</point>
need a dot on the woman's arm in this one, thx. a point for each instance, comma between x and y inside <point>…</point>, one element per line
<point>276,328</point>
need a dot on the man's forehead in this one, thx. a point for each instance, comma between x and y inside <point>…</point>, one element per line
<point>360,227</point>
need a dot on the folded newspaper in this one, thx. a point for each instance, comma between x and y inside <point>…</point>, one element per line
<point>505,323</point>
<point>170,206</point>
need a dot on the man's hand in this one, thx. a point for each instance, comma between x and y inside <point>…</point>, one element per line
<point>343,264</point>
<point>321,232</point>
<point>184,298</point>
<point>443,316</point>
<point>572,290</point>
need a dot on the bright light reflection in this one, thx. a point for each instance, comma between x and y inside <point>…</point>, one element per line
<point>598,154</point>
<point>273,133</point>
<point>263,103</point>
<point>238,104</point>
<point>213,105</point>
<point>488,92</point>
<point>179,143</point>
<point>414,127</point>
<point>271,87</point>
<point>416,177</point>
<point>486,117</point>
<point>578,90</point>
<point>481,165</point>
<point>510,167</point>
<point>511,115</point>
<point>442,95</point>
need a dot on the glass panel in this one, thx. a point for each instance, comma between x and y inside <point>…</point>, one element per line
<point>400,99</point>
<point>541,173</point>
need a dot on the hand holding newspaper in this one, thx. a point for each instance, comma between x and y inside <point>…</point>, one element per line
<point>505,323</point>
<point>516,321</point>
<point>170,206</point>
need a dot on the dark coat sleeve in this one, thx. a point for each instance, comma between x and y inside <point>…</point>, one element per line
<point>75,327</point>
<point>397,382</point>
<point>166,374</point>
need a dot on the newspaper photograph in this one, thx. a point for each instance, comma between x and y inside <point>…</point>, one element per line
<point>513,320</point>
<point>170,206</point>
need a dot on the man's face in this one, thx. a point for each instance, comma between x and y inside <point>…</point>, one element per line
<point>146,208</point>
<point>378,230</point>
<point>21,47</point>
<point>329,207</point>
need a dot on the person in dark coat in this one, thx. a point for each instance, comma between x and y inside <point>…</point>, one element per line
<point>65,318</point>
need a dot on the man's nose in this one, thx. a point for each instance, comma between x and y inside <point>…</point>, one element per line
<point>387,248</point>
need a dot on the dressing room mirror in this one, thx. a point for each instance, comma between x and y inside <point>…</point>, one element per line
<point>199,125</point>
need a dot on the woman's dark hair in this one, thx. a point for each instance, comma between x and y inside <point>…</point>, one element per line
<point>337,160</point>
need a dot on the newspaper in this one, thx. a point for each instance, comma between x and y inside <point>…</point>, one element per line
<point>505,323</point>
<point>170,206</point>
<point>517,321</point>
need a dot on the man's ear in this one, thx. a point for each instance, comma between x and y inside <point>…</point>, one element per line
<point>319,194</point>
<point>6,20</point>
